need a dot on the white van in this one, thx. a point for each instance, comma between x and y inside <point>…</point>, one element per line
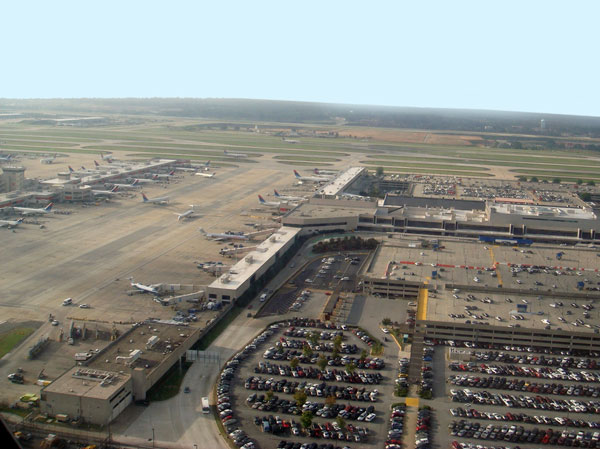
<point>67,302</point>
<point>263,297</point>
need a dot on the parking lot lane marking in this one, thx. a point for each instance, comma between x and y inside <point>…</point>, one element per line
<point>495,265</point>
<point>396,340</point>
<point>422,304</point>
<point>412,402</point>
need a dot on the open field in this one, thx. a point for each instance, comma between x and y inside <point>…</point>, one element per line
<point>12,338</point>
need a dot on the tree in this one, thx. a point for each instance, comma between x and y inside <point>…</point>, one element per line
<point>386,322</point>
<point>306,419</point>
<point>350,367</point>
<point>269,395</point>
<point>300,397</point>
<point>363,355</point>
<point>556,181</point>
<point>579,181</point>
<point>307,351</point>
<point>585,196</point>
<point>340,422</point>
<point>294,363</point>
<point>335,354</point>
<point>534,179</point>
<point>322,362</point>
<point>591,182</point>
<point>522,178</point>
<point>313,338</point>
<point>337,342</point>
<point>379,171</point>
<point>330,400</point>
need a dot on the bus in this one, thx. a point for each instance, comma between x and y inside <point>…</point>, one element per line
<point>205,406</point>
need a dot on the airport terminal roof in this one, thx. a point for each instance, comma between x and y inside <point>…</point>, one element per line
<point>86,382</point>
<point>552,212</point>
<point>340,182</point>
<point>245,268</point>
<point>447,203</point>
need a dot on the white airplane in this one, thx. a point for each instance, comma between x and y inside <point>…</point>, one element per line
<point>163,176</point>
<point>108,158</point>
<point>205,166</point>
<point>186,169</point>
<point>287,197</point>
<point>144,288</point>
<point>289,140</point>
<point>186,214</point>
<point>34,210</point>
<point>158,200</point>
<point>223,236</point>
<point>324,172</point>
<point>264,203</point>
<point>236,155</point>
<point>145,181</point>
<point>48,160</point>
<point>5,158</point>
<point>10,223</point>
<point>110,192</point>
<point>312,178</point>
<point>206,175</point>
<point>134,185</point>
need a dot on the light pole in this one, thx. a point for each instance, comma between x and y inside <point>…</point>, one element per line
<point>153,437</point>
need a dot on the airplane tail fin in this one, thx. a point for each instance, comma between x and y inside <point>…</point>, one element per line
<point>71,169</point>
<point>202,231</point>
<point>134,183</point>
<point>19,221</point>
<point>261,199</point>
<point>172,172</point>
<point>48,208</point>
<point>207,163</point>
<point>96,164</point>
<point>316,171</point>
<point>145,198</point>
<point>296,174</point>
<point>114,189</point>
<point>276,193</point>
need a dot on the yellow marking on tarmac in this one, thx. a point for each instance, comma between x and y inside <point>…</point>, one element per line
<point>396,340</point>
<point>495,265</point>
<point>422,304</point>
<point>412,402</point>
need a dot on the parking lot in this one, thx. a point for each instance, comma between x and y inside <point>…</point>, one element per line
<point>348,391</point>
<point>509,398</point>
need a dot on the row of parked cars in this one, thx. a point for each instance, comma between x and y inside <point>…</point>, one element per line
<point>519,434</point>
<point>319,346</point>
<point>531,359</point>
<point>567,352</point>
<point>526,371</point>
<point>302,332</point>
<point>311,389</point>
<point>523,417</point>
<point>356,377</point>
<point>327,430</point>
<point>522,401</point>
<point>422,435</point>
<point>502,383</point>
<point>394,437</point>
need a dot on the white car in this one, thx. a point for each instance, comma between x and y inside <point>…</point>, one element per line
<point>84,306</point>
<point>370,417</point>
<point>54,323</point>
<point>385,330</point>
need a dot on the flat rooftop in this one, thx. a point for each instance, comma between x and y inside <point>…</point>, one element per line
<point>448,203</point>
<point>90,383</point>
<point>169,335</point>
<point>551,212</point>
<point>245,268</point>
<point>349,207</point>
<point>340,182</point>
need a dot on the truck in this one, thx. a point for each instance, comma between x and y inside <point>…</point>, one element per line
<point>67,302</point>
<point>82,356</point>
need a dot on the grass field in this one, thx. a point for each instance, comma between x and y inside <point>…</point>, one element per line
<point>11,339</point>
<point>304,164</point>
<point>307,158</point>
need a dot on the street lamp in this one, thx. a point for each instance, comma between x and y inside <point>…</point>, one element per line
<point>153,437</point>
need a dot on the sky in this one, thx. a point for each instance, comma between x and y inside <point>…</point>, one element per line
<point>527,55</point>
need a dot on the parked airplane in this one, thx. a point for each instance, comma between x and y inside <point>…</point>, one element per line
<point>186,169</point>
<point>10,223</point>
<point>262,202</point>
<point>48,160</point>
<point>236,155</point>
<point>163,176</point>
<point>223,236</point>
<point>287,197</point>
<point>206,175</point>
<point>186,214</point>
<point>34,210</point>
<point>5,158</point>
<point>324,172</point>
<point>108,158</point>
<point>145,181</point>
<point>312,178</point>
<point>134,185</point>
<point>144,288</point>
<point>112,191</point>
<point>158,200</point>
<point>205,166</point>
<point>289,140</point>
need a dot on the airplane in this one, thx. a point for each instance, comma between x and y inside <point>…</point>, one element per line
<point>112,191</point>
<point>289,140</point>
<point>205,166</point>
<point>163,176</point>
<point>288,198</point>
<point>34,210</point>
<point>6,158</point>
<point>144,288</point>
<point>312,178</point>
<point>186,169</point>
<point>223,236</point>
<point>145,181</point>
<point>262,202</point>
<point>206,175</point>
<point>324,172</point>
<point>236,155</point>
<point>134,185</point>
<point>10,223</point>
<point>48,160</point>
<point>108,158</point>
<point>186,214</point>
<point>158,200</point>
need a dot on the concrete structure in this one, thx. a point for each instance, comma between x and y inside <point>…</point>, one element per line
<point>341,182</point>
<point>231,285</point>
<point>91,395</point>
<point>13,178</point>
